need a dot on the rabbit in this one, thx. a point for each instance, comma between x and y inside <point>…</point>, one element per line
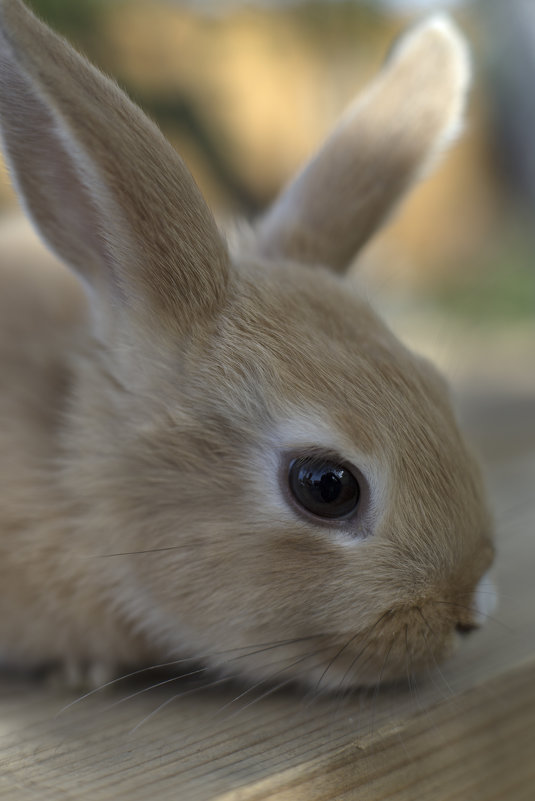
<point>212,448</point>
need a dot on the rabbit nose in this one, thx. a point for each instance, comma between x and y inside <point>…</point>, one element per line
<point>466,628</point>
<point>483,603</point>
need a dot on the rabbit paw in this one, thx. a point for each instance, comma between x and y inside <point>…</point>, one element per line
<point>82,677</point>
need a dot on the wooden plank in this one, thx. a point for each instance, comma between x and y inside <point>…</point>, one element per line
<point>477,746</point>
<point>468,732</point>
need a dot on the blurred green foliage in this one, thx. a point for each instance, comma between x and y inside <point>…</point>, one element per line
<point>336,25</point>
<point>78,19</point>
<point>501,288</point>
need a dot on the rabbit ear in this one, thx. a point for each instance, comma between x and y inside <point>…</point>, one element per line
<point>386,139</point>
<point>106,190</point>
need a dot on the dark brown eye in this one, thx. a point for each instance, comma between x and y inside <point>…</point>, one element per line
<point>323,487</point>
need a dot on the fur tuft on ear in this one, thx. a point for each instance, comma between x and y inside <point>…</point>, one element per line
<point>103,186</point>
<point>388,138</point>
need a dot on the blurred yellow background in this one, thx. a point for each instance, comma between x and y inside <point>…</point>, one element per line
<point>247,91</point>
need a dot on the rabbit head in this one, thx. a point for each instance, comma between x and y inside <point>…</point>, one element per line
<point>280,484</point>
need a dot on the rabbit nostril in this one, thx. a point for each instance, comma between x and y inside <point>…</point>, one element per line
<point>465,628</point>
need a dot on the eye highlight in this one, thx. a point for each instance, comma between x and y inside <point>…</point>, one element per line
<point>323,487</point>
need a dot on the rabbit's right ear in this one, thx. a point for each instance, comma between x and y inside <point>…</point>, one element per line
<point>106,190</point>
<point>386,139</point>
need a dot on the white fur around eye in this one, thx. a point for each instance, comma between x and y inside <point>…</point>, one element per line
<point>485,599</point>
<point>306,431</point>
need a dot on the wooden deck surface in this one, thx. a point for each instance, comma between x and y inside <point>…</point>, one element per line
<point>467,733</point>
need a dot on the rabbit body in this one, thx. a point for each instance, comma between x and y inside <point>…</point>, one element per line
<point>156,390</point>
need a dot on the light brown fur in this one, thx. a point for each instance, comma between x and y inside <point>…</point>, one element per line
<point>144,422</point>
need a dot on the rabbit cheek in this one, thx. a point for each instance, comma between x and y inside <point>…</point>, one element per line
<point>413,641</point>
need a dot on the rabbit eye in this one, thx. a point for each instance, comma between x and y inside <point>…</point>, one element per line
<point>325,488</point>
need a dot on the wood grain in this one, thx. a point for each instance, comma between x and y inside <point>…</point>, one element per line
<point>467,732</point>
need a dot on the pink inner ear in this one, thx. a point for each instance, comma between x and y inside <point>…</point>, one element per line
<point>45,174</point>
<point>106,190</point>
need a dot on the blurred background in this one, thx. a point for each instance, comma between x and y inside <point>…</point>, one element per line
<point>245,91</point>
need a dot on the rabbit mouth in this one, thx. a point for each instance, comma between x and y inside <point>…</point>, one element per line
<point>405,643</point>
<point>401,645</point>
<point>381,659</point>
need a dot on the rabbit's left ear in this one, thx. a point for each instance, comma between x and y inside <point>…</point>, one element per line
<point>104,187</point>
<point>386,139</point>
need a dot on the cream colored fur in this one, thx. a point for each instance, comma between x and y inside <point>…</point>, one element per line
<point>148,404</point>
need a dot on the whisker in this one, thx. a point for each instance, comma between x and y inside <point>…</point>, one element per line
<point>123,677</point>
<point>246,652</point>
<point>261,697</point>
<point>474,610</point>
<point>348,643</point>
<point>313,693</point>
<point>297,677</point>
<point>306,657</point>
<point>432,655</point>
<point>352,689</point>
<point>470,593</point>
<point>267,648</point>
<point>346,692</point>
<point>410,675</point>
<point>196,672</point>
<point>155,686</point>
<point>432,673</point>
<point>418,609</point>
<point>269,678</point>
<point>174,697</point>
<point>367,644</point>
<point>261,647</point>
<point>385,661</point>
<point>351,667</point>
<point>333,660</point>
<point>136,553</point>
<point>379,680</point>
